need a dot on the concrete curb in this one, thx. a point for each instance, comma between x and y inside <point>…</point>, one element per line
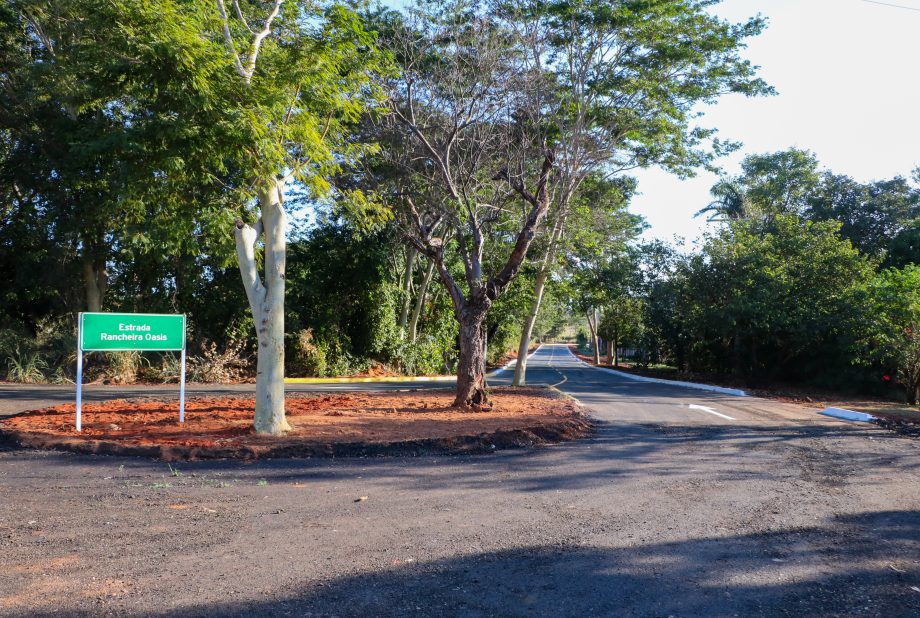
<point>370,379</point>
<point>737,392</point>
<point>847,415</point>
<point>394,378</point>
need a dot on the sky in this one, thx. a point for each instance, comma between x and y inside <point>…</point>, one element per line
<point>846,73</point>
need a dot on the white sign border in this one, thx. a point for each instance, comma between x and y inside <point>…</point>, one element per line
<point>80,333</point>
<point>79,421</point>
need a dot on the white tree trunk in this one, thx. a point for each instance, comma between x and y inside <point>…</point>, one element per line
<point>266,300</point>
<point>420,301</point>
<point>546,264</point>
<point>407,290</point>
<point>595,340</point>
<point>520,369</point>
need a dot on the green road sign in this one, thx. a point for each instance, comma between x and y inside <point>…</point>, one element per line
<point>131,331</point>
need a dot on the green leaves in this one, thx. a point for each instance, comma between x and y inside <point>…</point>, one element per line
<point>790,301</point>
<point>635,72</point>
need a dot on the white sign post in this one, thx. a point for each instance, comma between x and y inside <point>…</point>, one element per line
<point>125,332</point>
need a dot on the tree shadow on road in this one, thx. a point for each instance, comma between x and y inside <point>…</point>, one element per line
<point>616,451</point>
<point>860,565</point>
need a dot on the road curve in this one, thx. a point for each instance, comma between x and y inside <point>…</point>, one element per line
<point>614,398</point>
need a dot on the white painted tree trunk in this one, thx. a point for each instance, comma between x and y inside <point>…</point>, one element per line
<point>520,369</point>
<point>407,290</point>
<point>266,300</point>
<point>420,301</point>
<point>595,340</point>
<point>546,264</point>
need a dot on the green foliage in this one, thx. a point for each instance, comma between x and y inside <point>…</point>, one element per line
<point>25,367</point>
<point>338,288</point>
<point>168,369</point>
<point>896,313</point>
<point>780,182</point>
<point>343,305</point>
<point>662,59</point>
<point>308,358</point>
<point>621,321</point>
<point>878,217</point>
<point>790,303</point>
<point>123,367</point>
<point>46,353</point>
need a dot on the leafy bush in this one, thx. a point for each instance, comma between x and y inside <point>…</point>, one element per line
<point>782,300</point>
<point>168,369</point>
<point>309,358</point>
<point>895,338</point>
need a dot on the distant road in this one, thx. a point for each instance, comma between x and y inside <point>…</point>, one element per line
<point>612,397</point>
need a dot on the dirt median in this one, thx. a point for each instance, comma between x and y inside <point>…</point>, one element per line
<point>323,425</point>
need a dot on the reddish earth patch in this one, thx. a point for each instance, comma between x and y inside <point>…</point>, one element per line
<point>353,424</point>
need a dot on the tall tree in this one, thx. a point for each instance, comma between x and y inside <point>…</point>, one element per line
<point>66,123</point>
<point>896,311</point>
<point>290,80</point>
<point>89,112</point>
<point>872,215</point>
<point>475,158</point>
<point>248,99</point>
<point>780,182</point>
<point>630,74</point>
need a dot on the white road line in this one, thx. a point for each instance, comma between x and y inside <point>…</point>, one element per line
<point>695,385</point>
<point>513,362</point>
<point>693,406</point>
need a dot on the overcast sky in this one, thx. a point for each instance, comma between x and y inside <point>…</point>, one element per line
<point>846,72</point>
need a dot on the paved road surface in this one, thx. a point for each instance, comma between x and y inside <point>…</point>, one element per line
<point>619,399</point>
<point>667,511</point>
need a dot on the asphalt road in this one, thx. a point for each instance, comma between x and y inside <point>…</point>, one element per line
<point>668,510</point>
<point>616,398</point>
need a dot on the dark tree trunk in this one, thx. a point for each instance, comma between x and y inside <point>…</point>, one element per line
<point>471,371</point>
<point>95,283</point>
<point>737,356</point>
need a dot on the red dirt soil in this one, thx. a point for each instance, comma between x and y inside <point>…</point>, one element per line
<point>322,425</point>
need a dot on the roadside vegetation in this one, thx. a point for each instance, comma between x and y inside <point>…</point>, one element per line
<point>806,277</point>
<point>329,189</point>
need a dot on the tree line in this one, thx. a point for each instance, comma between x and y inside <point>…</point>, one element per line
<point>449,157</point>
<point>806,276</point>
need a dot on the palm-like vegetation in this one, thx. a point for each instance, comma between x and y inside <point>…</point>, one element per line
<point>731,202</point>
